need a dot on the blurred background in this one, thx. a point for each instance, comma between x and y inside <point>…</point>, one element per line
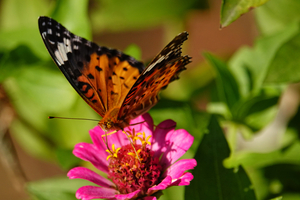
<point>249,80</point>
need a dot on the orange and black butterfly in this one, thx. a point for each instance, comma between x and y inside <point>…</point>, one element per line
<point>115,85</point>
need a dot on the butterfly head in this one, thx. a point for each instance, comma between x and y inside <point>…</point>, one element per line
<point>107,125</point>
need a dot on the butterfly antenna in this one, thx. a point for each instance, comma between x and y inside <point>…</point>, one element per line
<point>51,117</point>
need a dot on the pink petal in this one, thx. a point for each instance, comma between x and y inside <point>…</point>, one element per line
<point>177,169</point>
<point>90,153</point>
<point>96,134</point>
<point>159,136</point>
<point>149,198</point>
<point>119,139</point>
<point>94,192</point>
<point>127,196</point>
<point>184,180</point>
<point>161,186</point>
<point>177,143</point>
<point>87,174</point>
<point>146,126</point>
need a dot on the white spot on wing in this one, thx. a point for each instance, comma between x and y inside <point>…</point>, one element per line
<point>89,44</point>
<point>153,64</point>
<point>67,43</point>
<point>58,58</point>
<point>44,34</point>
<point>77,38</point>
<point>49,31</point>
<point>62,51</point>
<point>51,42</point>
<point>67,33</point>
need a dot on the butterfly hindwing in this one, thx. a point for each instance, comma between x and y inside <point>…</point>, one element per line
<point>101,76</point>
<point>164,68</point>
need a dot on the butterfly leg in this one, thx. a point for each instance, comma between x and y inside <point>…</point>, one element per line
<point>137,123</point>
<point>105,141</point>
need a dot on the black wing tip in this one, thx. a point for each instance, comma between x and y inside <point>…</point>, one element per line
<point>45,22</point>
<point>185,33</point>
<point>183,36</point>
<point>42,19</point>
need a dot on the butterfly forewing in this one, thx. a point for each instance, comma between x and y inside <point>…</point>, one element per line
<point>115,85</point>
<point>164,68</point>
<point>101,76</point>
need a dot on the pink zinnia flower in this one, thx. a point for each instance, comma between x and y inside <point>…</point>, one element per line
<point>135,173</point>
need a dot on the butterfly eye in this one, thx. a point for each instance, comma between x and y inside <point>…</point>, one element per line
<point>108,125</point>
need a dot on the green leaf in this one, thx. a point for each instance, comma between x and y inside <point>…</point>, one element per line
<point>31,140</point>
<point>284,68</point>
<point>38,92</point>
<point>134,51</point>
<point>256,61</point>
<point>74,16</point>
<point>233,9</point>
<point>277,198</point>
<point>134,14</point>
<point>192,83</point>
<point>56,188</point>
<point>173,193</point>
<point>13,61</point>
<point>16,15</point>
<point>288,176</point>
<point>276,15</point>
<point>18,25</point>
<point>12,39</point>
<point>66,158</point>
<point>175,110</point>
<point>259,160</point>
<point>228,91</point>
<point>41,87</point>
<point>254,104</point>
<point>211,179</point>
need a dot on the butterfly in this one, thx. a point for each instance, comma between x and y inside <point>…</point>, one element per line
<point>118,87</point>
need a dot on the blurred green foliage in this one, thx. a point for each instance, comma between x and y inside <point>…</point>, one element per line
<point>233,9</point>
<point>215,180</point>
<point>242,94</point>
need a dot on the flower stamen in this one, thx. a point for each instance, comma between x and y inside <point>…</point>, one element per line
<point>144,140</point>
<point>134,168</point>
<point>113,152</point>
<point>136,154</point>
<point>131,142</point>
